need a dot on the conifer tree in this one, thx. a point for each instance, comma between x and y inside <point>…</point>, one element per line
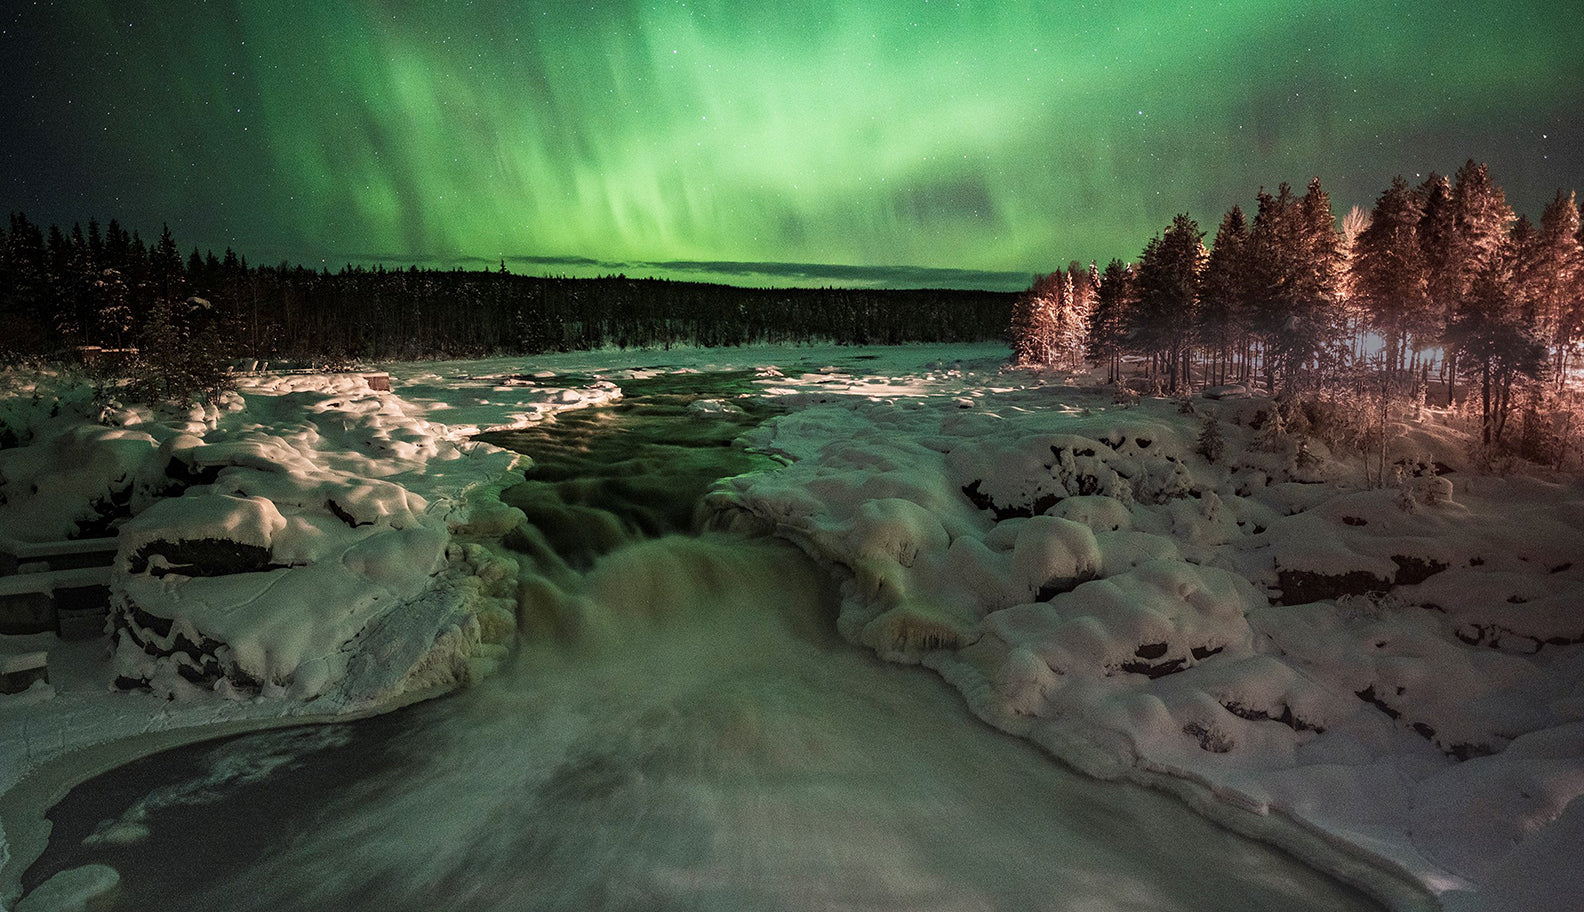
<point>1389,276</point>
<point>1109,318</point>
<point>1033,329</point>
<point>1210,445</point>
<point>1497,347</point>
<point>1438,244</point>
<point>1553,279</point>
<point>1224,293</point>
<point>1166,298</point>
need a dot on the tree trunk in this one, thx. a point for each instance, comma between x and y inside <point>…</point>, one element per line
<point>1485,404</point>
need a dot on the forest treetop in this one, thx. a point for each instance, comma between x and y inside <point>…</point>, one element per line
<point>1442,277</point>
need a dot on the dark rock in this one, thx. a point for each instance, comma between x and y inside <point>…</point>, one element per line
<point>1300,587</point>
<point>983,501</point>
<point>1470,751</point>
<point>186,475</point>
<point>1161,670</point>
<point>110,512</point>
<point>340,513</point>
<point>1414,570</point>
<point>201,557</point>
<point>1368,696</point>
<point>1286,717</point>
<point>1151,651</point>
<point>1053,588</point>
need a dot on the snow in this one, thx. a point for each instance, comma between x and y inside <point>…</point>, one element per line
<point>300,550</point>
<point>1059,553</point>
<point>1111,599</point>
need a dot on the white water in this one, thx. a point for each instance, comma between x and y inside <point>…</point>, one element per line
<point>705,744</point>
<point>682,730</point>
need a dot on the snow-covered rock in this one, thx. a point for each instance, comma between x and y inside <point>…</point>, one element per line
<point>1393,667</point>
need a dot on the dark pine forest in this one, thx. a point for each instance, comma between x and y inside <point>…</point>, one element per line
<point>103,287</point>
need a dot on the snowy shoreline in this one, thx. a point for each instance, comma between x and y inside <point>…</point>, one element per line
<point>1103,591</point>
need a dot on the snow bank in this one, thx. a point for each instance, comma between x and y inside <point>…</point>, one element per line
<point>1396,669</point>
<point>307,547</point>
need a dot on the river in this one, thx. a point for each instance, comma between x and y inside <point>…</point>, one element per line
<point>681,729</point>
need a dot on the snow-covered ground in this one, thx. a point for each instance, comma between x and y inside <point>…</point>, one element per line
<point>1067,560</point>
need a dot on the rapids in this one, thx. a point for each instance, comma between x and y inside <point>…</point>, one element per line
<point>681,729</point>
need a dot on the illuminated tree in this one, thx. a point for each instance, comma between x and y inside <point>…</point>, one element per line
<point>1050,321</point>
<point>1497,347</point>
<point>1295,275</point>
<point>1552,277</point>
<point>1463,230</point>
<point>1033,329</point>
<point>1389,276</point>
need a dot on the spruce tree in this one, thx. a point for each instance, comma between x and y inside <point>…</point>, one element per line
<point>1108,318</point>
<point>1553,279</point>
<point>1497,347</point>
<point>1166,292</point>
<point>1389,275</point>
<point>1224,292</point>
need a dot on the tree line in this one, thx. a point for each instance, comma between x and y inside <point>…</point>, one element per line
<point>1441,279</point>
<point>107,288</point>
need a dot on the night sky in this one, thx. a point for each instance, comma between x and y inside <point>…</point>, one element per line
<point>976,142</point>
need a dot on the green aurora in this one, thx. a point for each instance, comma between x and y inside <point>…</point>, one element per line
<point>977,141</point>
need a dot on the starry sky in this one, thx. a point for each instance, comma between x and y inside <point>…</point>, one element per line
<point>905,143</point>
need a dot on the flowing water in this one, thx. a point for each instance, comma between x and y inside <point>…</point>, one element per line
<point>685,733</point>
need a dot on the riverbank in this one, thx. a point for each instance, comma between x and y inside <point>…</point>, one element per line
<point>1070,561</point>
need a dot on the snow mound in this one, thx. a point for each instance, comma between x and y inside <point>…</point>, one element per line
<point>1395,668</point>
<point>303,538</point>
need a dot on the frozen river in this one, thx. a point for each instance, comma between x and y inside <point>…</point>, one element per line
<point>683,731</point>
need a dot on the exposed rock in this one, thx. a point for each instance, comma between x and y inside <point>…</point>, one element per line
<point>199,557</point>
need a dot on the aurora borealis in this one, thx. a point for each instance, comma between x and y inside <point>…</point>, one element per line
<point>976,142</point>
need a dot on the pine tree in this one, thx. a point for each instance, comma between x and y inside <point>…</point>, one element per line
<point>1437,242</point>
<point>1497,347</point>
<point>1389,275</point>
<point>1318,291</point>
<point>1166,298</point>
<point>1464,230</point>
<point>167,281</point>
<point>1224,293</point>
<point>1072,318</point>
<point>1109,317</point>
<point>1553,278</point>
<point>1033,329</point>
<point>1481,219</point>
<point>1210,444</point>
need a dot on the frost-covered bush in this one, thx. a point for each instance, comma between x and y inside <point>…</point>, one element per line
<point>181,357</point>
